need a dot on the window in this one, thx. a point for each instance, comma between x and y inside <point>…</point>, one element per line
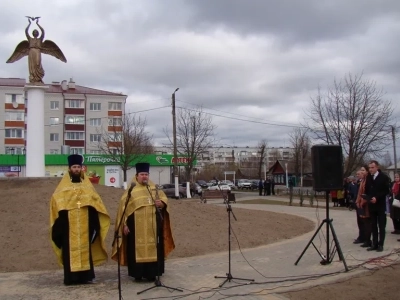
<point>15,150</point>
<point>15,116</point>
<point>114,106</point>
<point>115,137</point>
<point>114,121</point>
<point>74,120</point>
<point>54,120</point>
<point>74,103</point>
<point>14,133</point>
<point>54,105</point>
<point>77,151</point>
<point>114,151</point>
<point>15,98</point>
<point>95,137</point>
<point>74,135</point>
<point>53,151</point>
<point>95,152</point>
<point>95,106</point>
<point>95,122</point>
<point>53,137</point>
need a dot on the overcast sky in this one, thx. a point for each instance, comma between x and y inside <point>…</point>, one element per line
<point>255,60</point>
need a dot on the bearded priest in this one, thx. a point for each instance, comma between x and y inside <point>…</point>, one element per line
<point>79,223</point>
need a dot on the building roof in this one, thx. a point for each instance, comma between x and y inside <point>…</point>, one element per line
<point>14,82</point>
<point>56,87</point>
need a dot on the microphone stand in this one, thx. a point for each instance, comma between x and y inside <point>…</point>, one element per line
<point>228,276</point>
<point>116,239</point>
<point>159,222</point>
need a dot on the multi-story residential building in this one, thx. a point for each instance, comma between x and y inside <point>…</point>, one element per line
<point>75,116</point>
<point>243,157</point>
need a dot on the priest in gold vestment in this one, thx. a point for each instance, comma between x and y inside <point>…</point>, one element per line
<point>78,225</point>
<point>142,227</point>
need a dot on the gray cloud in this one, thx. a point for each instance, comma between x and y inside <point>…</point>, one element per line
<point>253,60</point>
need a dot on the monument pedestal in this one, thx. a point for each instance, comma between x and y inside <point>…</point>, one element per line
<point>35,166</point>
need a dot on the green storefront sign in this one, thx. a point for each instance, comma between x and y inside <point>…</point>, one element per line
<point>89,159</point>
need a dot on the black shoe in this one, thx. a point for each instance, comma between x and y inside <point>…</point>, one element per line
<point>395,232</point>
<point>372,248</point>
<point>358,241</point>
<point>380,249</point>
<point>138,279</point>
<point>398,240</point>
<point>366,245</point>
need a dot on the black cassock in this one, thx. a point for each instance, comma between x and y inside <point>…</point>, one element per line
<point>60,236</point>
<point>147,270</point>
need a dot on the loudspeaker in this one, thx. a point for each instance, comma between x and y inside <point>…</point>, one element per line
<point>327,167</point>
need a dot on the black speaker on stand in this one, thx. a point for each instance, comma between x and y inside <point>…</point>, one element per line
<point>327,167</point>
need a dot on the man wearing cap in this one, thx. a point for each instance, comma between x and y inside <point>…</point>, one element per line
<point>78,224</point>
<point>142,227</point>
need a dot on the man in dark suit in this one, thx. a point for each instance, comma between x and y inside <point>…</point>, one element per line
<point>376,189</point>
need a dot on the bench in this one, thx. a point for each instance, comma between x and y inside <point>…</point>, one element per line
<point>216,194</point>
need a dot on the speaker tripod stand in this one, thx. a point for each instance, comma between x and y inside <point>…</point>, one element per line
<point>327,259</point>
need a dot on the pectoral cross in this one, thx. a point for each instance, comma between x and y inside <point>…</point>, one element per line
<point>148,199</point>
<point>79,203</point>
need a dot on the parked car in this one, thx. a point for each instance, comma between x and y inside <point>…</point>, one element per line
<point>202,183</point>
<point>254,184</point>
<point>228,182</point>
<point>223,187</point>
<point>195,189</point>
<point>169,190</point>
<point>198,189</point>
<point>244,184</point>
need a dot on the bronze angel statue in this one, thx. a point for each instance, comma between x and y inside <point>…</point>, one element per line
<point>33,47</point>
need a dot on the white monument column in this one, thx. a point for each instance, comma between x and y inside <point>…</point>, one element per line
<point>35,131</point>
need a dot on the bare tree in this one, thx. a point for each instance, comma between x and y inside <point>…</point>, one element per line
<point>194,135</point>
<point>262,151</point>
<point>301,150</point>
<point>354,115</point>
<point>126,141</point>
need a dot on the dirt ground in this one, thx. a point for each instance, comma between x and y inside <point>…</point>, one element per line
<point>197,228</point>
<point>24,219</point>
<point>378,284</point>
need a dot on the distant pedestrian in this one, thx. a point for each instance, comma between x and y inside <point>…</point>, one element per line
<point>260,187</point>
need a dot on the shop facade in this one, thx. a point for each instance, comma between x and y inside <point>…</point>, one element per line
<point>101,169</point>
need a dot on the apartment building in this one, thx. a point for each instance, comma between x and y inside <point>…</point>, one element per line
<point>244,157</point>
<point>75,116</point>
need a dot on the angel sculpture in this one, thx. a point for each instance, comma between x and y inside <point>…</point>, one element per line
<point>34,47</point>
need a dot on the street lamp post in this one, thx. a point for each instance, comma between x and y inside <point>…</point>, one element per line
<point>394,149</point>
<point>176,178</point>
<point>301,166</point>
<point>287,181</point>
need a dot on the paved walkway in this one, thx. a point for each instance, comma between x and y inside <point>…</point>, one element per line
<point>272,267</point>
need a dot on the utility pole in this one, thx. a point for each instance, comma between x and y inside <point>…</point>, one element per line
<point>301,166</point>
<point>176,180</point>
<point>394,149</point>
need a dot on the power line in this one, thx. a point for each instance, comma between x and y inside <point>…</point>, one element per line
<point>244,120</point>
<point>268,123</point>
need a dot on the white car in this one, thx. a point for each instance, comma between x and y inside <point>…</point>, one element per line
<point>244,184</point>
<point>228,182</point>
<point>223,187</point>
